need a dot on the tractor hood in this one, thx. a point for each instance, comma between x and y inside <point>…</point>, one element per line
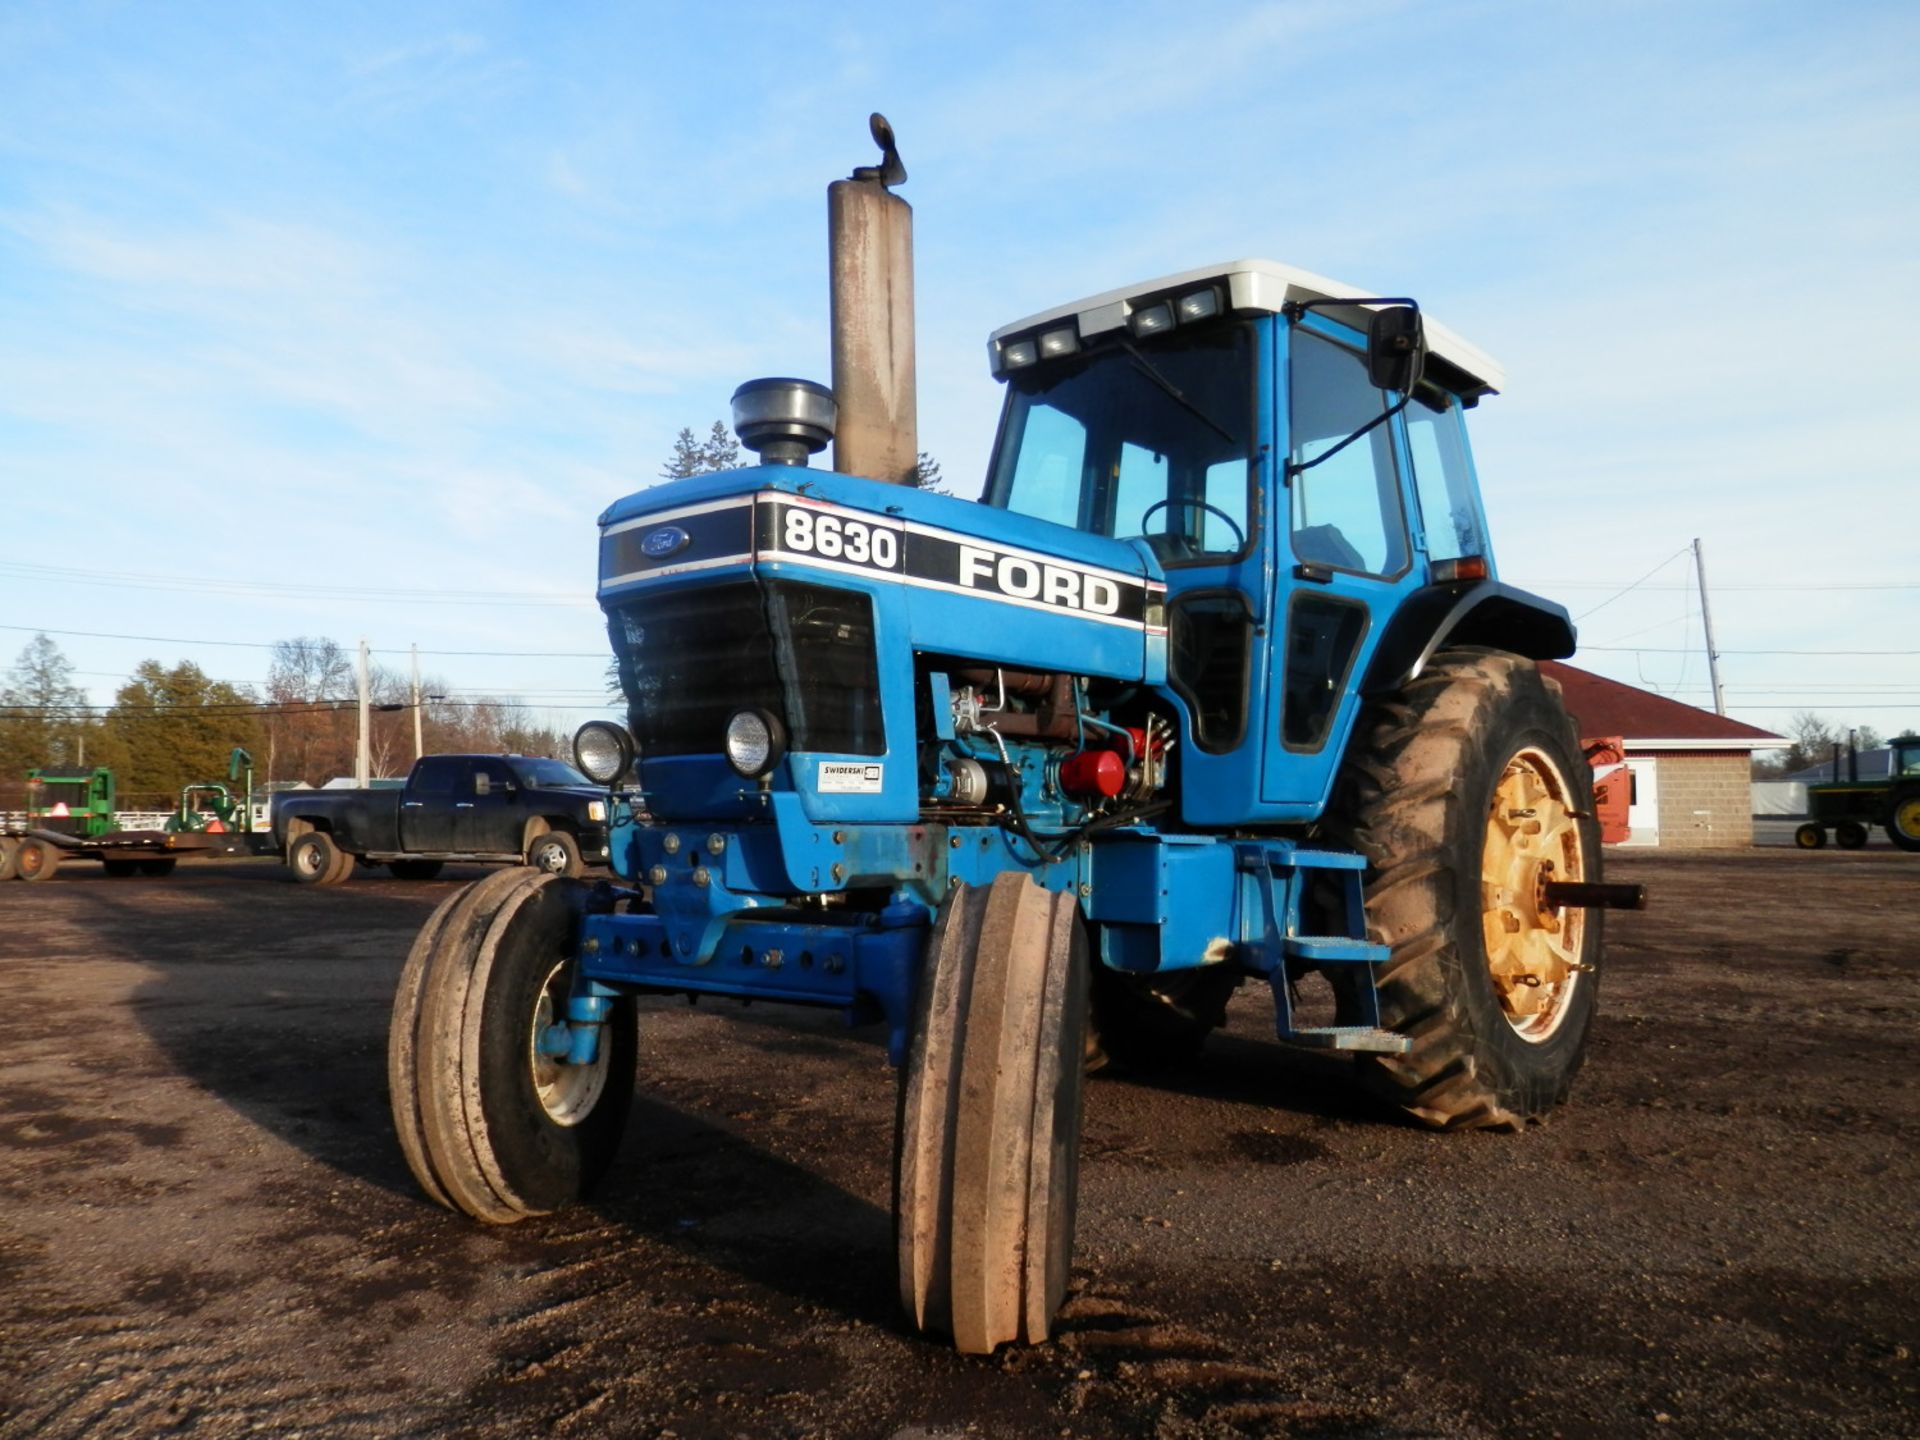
<point>972,580</point>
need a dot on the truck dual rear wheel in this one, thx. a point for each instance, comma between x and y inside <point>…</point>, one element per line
<point>9,857</point>
<point>316,860</point>
<point>556,853</point>
<point>488,1124</point>
<point>1467,793</point>
<point>36,860</point>
<point>987,1149</point>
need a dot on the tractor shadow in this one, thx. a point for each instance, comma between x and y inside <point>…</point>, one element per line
<point>280,1013</point>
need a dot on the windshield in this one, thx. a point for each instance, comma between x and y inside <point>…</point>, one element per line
<point>1101,445</point>
<point>550,772</point>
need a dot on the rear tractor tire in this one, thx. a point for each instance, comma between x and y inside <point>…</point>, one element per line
<point>1903,820</point>
<point>987,1150</point>
<point>1810,837</point>
<point>1467,793</point>
<point>488,1124</point>
<point>556,853</point>
<point>36,860</point>
<point>1850,835</point>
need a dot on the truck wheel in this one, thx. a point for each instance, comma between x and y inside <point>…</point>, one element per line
<point>1903,821</point>
<point>987,1148</point>
<point>315,860</point>
<point>9,857</point>
<point>36,860</point>
<point>1143,1024</point>
<point>120,869</point>
<point>489,1126</point>
<point>1850,835</point>
<point>556,853</point>
<point>158,868</point>
<point>1467,793</point>
<point>1810,837</point>
<point>415,869</point>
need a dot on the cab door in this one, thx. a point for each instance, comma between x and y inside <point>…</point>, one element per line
<point>1348,558</point>
<point>427,820</point>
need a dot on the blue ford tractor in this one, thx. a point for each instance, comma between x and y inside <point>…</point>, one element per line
<point>1215,685</point>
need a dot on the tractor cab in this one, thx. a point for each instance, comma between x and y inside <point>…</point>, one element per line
<point>1904,763</point>
<point>1292,455</point>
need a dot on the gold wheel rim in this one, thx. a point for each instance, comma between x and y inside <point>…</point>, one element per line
<point>1906,818</point>
<point>1533,948</point>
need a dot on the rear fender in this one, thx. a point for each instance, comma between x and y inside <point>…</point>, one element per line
<point>1485,613</point>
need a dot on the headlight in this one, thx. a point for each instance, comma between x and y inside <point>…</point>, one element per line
<point>597,811</point>
<point>602,751</point>
<point>756,741</point>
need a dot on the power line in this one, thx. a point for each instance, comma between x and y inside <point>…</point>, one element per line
<point>1636,584</point>
<point>273,644</point>
<point>224,585</point>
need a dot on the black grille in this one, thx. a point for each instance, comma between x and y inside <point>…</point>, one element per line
<point>690,658</point>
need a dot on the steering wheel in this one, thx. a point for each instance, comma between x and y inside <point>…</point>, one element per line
<point>1239,535</point>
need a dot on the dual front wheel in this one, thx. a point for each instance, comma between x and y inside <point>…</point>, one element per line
<point>987,1144</point>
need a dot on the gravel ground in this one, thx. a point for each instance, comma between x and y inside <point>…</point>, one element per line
<point>206,1227</point>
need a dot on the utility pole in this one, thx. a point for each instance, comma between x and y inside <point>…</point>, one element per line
<point>363,757</point>
<point>1706,622</point>
<point>418,749</point>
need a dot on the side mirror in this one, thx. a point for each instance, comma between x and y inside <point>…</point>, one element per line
<point>1396,348</point>
<point>482,784</point>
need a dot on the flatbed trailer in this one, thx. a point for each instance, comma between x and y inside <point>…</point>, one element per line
<point>33,854</point>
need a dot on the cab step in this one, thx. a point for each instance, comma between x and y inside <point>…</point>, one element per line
<point>1334,949</point>
<point>1354,1038</point>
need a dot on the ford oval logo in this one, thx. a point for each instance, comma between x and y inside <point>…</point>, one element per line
<point>667,540</point>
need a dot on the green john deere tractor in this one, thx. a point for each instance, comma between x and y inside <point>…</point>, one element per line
<point>1851,807</point>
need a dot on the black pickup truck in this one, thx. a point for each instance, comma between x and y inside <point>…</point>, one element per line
<point>453,807</point>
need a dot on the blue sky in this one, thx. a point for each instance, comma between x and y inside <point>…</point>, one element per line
<point>350,319</point>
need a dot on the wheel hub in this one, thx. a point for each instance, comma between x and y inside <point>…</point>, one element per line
<point>1533,948</point>
<point>567,1093</point>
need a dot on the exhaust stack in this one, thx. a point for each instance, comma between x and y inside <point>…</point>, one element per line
<point>870,249</point>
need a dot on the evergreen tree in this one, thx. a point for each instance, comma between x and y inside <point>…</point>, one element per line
<point>722,451</point>
<point>688,458</point>
<point>926,475</point>
<point>179,726</point>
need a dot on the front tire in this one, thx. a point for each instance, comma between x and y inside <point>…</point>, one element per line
<point>987,1149</point>
<point>1466,791</point>
<point>1810,836</point>
<point>488,1125</point>
<point>1850,835</point>
<point>556,853</point>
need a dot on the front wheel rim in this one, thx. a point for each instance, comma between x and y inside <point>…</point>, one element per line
<point>1532,948</point>
<point>567,1093</point>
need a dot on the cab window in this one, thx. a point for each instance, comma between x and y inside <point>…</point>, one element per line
<point>1346,509</point>
<point>1442,476</point>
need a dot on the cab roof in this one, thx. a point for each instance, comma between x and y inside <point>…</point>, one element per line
<point>1259,286</point>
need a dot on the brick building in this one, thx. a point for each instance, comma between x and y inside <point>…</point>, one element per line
<point>1692,769</point>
